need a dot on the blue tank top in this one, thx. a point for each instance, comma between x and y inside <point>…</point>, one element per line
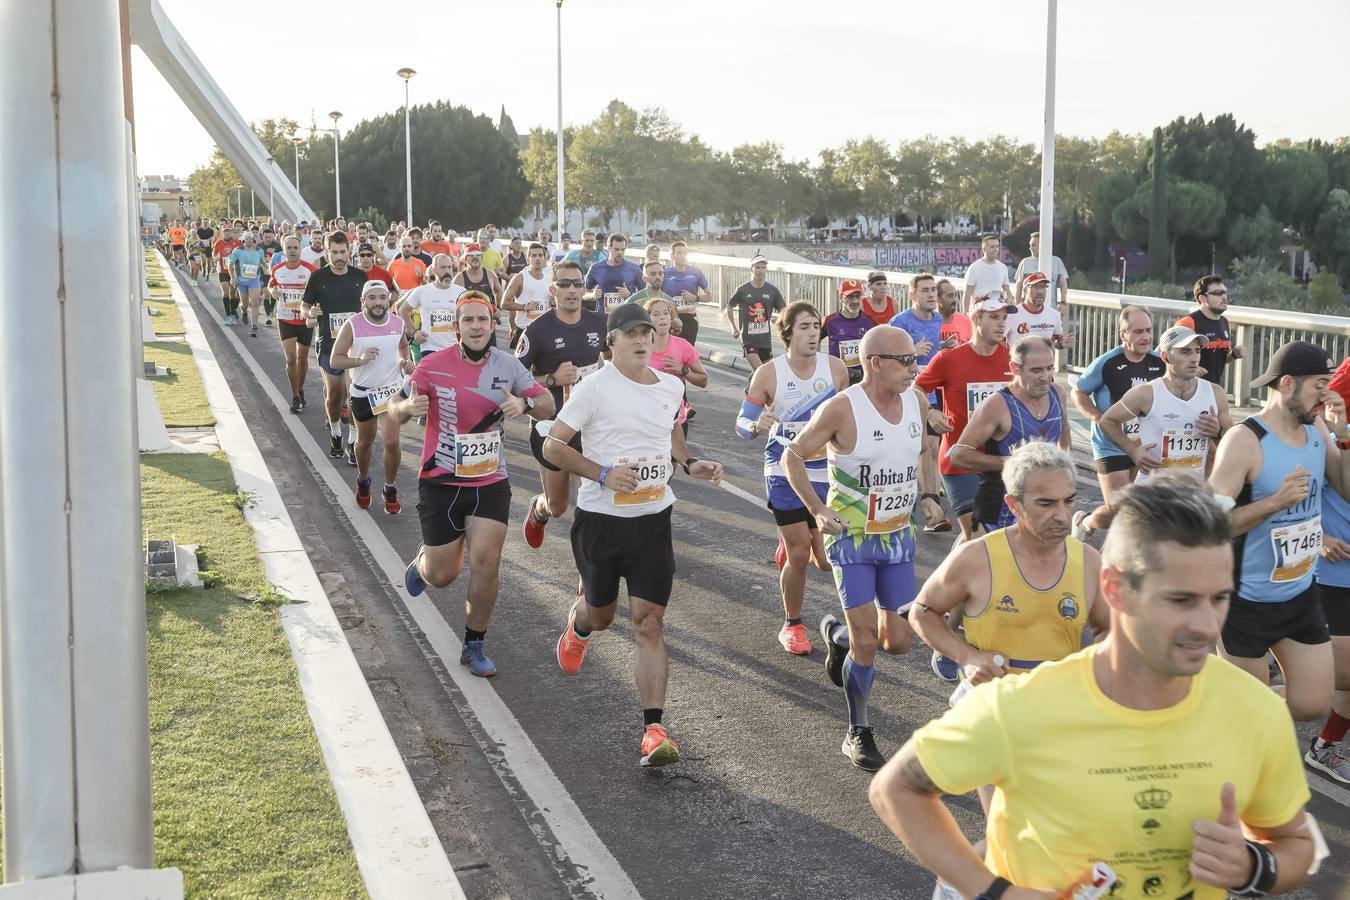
<point>990,508</point>
<point>794,401</point>
<point>1335,522</point>
<point>1274,562</point>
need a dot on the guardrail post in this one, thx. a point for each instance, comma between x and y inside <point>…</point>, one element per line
<point>1242,367</point>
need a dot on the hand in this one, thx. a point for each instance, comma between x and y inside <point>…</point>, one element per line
<point>419,336</point>
<point>1207,425</point>
<point>707,470</point>
<point>1219,856</point>
<point>1238,351</point>
<point>949,343</point>
<point>1145,461</point>
<point>417,404</point>
<point>984,667</point>
<point>566,374</point>
<point>624,292</point>
<point>406,366</point>
<point>938,421</point>
<point>315,312</point>
<point>1294,489</point>
<point>735,334</point>
<point>672,365</point>
<point>828,521</point>
<point>923,347</point>
<point>369,356</point>
<point>623,479</point>
<point>1334,550</point>
<point>511,406</point>
<point>1066,341</point>
<point>1333,411</point>
<point>932,511</point>
<point>688,297</point>
<point>765,422</point>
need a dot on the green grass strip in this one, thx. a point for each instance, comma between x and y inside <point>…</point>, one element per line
<point>180,396</point>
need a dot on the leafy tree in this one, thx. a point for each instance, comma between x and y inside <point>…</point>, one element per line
<point>835,196</point>
<point>539,164</point>
<point>1258,235</point>
<point>1157,212</point>
<point>507,128</point>
<point>1324,292</point>
<point>379,223</point>
<point>1296,183</point>
<point>1222,153</point>
<point>868,167</point>
<point>1331,237</point>
<point>918,169</point>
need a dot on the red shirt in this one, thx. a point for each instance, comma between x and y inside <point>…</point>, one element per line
<point>881,318</point>
<point>407,273</point>
<point>222,251</point>
<point>434,247</point>
<point>1340,383</point>
<point>377,273</point>
<point>966,379</point>
<point>958,327</point>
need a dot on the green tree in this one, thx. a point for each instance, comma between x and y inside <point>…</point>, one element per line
<point>1157,212</point>
<point>1257,235</point>
<point>835,195</point>
<point>918,165</point>
<point>869,168</point>
<point>604,156</point>
<point>1331,237</point>
<point>1296,183</point>
<point>1221,152</point>
<point>508,128</point>
<point>1324,292</point>
<point>539,164</point>
<point>1108,196</point>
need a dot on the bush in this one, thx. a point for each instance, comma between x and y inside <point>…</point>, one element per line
<point>1152,287</point>
<point>1324,293</point>
<point>379,223</point>
<point>1264,285</point>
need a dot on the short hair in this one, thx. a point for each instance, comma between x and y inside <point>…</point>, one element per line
<point>338,236</point>
<point>787,320</point>
<point>1031,457</point>
<point>288,238</point>
<point>653,246</point>
<point>565,264</point>
<point>433,224</point>
<point>989,237</point>
<point>535,245</point>
<point>654,262</point>
<point>1129,311</point>
<point>414,231</point>
<point>922,276</point>
<point>588,231</point>
<point>1034,234</point>
<point>616,237</point>
<point>945,282</point>
<point>1026,344</point>
<point>1204,283</point>
<point>1166,509</point>
<point>678,245</point>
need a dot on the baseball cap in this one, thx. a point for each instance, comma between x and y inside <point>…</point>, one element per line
<point>473,248</point>
<point>1179,336</point>
<point>1296,358</point>
<point>1035,278</point>
<point>757,258</point>
<point>627,316</point>
<point>371,285</point>
<point>874,277</point>
<point>566,236</point>
<point>994,303</point>
<point>850,286</point>
<point>365,248</point>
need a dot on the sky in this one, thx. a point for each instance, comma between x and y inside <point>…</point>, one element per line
<point>807,75</point>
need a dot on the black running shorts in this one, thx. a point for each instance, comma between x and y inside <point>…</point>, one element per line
<point>445,508</point>
<point>302,333</point>
<point>1253,628</point>
<point>638,550</point>
<point>1335,608</point>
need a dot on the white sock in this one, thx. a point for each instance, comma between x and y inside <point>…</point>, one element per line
<point>335,428</point>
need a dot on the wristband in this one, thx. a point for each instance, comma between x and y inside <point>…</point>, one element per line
<point>604,473</point>
<point>1265,872</point>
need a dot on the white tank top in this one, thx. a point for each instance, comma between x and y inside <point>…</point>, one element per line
<point>875,488</point>
<point>795,399</point>
<point>380,378</point>
<point>1170,427</point>
<point>533,291</point>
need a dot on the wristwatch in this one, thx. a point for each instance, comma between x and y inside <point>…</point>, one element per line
<point>995,890</point>
<point>684,370</point>
<point>529,403</point>
<point>687,463</point>
<point>550,381</point>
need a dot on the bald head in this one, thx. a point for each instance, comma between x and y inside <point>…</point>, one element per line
<point>885,339</point>
<point>442,264</point>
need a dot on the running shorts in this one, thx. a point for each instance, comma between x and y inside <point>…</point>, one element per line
<point>1253,628</point>
<point>249,284</point>
<point>961,491</point>
<point>1335,608</point>
<point>638,550</point>
<point>764,353</point>
<point>1108,464</point>
<point>445,508</point>
<point>891,586</point>
<point>301,332</point>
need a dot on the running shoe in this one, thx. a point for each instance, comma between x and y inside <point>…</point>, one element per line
<point>303,401</point>
<point>1328,761</point>
<point>269,321</point>
<point>794,639</point>
<point>571,649</point>
<point>229,319</point>
<point>945,668</point>
<point>657,747</point>
<point>335,446</point>
<point>534,526</point>
<point>295,405</point>
<point>834,654</point>
<point>861,749</point>
<point>253,332</point>
<point>1080,533</point>
<point>939,528</point>
<point>363,493</point>
<point>780,555</point>
<point>391,505</point>
<point>477,661</point>
<point>349,453</point>
<point>412,579</point>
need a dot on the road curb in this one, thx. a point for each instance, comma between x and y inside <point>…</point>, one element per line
<point>395,844</point>
<point>726,360</point>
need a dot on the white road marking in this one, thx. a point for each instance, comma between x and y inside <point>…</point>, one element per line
<point>511,752</point>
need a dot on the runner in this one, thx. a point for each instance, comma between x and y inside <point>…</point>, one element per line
<point>515,259</point>
<point>246,267</point>
<point>612,280</point>
<point>923,324</point>
<point>224,246</point>
<point>371,345</point>
<point>389,250</point>
<point>272,254</point>
<point>198,257</point>
<point>956,329</point>
<point>527,293</point>
<point>332,296</point>
<point>653,279</point>
<point>689,286</point>
<point>368,263</point>
<point>1179,415</point>
<point>987,274</point>
<point>1034,317</point>
<point>759,303</point>
<point>587,254</point>
<point>560,348</point>
<point>872,435</point>
<point>437,242</point>
<point>1276,466</point>
<point>1208,319</point>
<point>289,278</point>
<point>206,237</point>
<point>1058,276</point>
<point>1030,407</point>
<point>434,303</point>
<point>407,269</point>
<point>463,495</point>
<point>1107,379</point>
<point>1136,779</point>
<point>312,252</point>
<point>671,353</point>
<point>492,257</point>
<point>475,276</point>
<point>415,234</point>
<point>564,247</point>
<point>627,414</point>
<point>780,402</point>
<point>879,305</point>
<point>846,327</point>
<point>178,242</point>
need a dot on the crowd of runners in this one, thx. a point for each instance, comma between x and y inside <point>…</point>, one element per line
<point>1110,668</point>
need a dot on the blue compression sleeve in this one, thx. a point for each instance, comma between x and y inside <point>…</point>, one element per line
<point>748,415</point>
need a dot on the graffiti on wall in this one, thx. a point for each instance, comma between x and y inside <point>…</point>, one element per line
<point>948,260</point>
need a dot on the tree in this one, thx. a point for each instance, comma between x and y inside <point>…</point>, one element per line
<point>1222,153</point>
<point>508,128</point>
<point>539,165</point>
<point>1157,214</point>
<point>917,165</point>
<point>835,196</point>
<point>1324,292</point>
<point>1295,184</point>
<point>868,167</point>
<point>211,183</point>
<point>1331,237</point>
<point>1258,235</point>
<point>605,158</point>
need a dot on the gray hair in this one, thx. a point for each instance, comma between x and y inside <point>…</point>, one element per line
<point>1031,457</point>
<point>1027,343</point>
<point>1166,509</point>
<point>1130,311</point>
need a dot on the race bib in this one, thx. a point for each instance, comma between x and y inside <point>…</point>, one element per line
<point>441,321</point>
<point>537,309</point>
<point>788,432</point>
<point>379,397</point>
<point>336,320</point>
<point>757,327</point>
<point>582,372</point>
<point>1181,450</point>
<point>1295,548</point>
<point>612,302</point>
<point>979,391</point>
<point>477,454</point>
<point>889,507</point>
<point>687,307</point>
<point>1131,429</point>
<point>653,471</point>
<point>848,352</point>
<point>291,297</point>
<point>248,270</point>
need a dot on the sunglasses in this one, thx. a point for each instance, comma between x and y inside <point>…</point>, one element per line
<point>366,255</point>
<point>1222,292</point>
<point>904,359</point>
<point>570,282</point>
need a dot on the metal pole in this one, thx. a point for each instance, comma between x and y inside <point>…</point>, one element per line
<point>406,74</point>
<point>75,726</point>
<point>337,171</point>
<point>562,226</point>
<point>295,142</point>
<point>271,191</point>
<point>252,204</point>
<point>239,200</point>
<point>1046,262</point>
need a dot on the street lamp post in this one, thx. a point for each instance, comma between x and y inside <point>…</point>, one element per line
<point>238,199</point>
<point>296,142</point>
<point>252,204</point>
<point>337,175</point>
<point>1046,261</point>
<point>271,192</point>
<point>406,74</point>
<point>561,224</point>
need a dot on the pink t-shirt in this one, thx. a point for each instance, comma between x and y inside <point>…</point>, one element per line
<point>679,350</point>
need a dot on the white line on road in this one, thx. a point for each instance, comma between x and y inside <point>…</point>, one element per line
<point>512,754</point>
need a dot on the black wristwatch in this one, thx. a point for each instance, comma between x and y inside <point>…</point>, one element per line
<point>687,463</point>
<point>529,403</point>
<point>549,381</point>
<point>684,370</point>
<point>995,890</point>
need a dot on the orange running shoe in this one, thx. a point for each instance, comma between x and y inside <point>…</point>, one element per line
<point>657,747</point>
<point>571,649</point>
<point>794,640</point>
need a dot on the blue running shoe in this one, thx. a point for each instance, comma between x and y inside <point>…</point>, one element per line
<point>412,579</point>
<point>476,660</point>
<point>945,668</point>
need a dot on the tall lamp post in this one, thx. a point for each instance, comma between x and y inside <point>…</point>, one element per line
<point>1046,262</point>
<point>337,175</point>
<point>271,192</point>
<point>561,224</point>
<point>406,74</point>
<point>239,200</point>
<point>296,142</point>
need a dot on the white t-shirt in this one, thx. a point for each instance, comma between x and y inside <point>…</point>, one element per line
<point>438,314</point>
<point>1032,264</point>
<point>623,422</point>
<point>986,276</point>
<point>1047,323</point>
<point>310,255</point>
<point>387,252</point>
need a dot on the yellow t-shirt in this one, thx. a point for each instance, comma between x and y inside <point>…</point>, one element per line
<point>491,259</point>
<point>1080,779</point>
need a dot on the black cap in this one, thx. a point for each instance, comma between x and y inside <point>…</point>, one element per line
<point>1296,358</point>
<point>628,315</point>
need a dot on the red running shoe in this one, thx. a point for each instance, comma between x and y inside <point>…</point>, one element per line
<point>534,526</point>
<point>391,505</point>
<point>363,493</point>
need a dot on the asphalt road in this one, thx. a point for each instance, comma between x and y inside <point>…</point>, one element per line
<point>762,804</point>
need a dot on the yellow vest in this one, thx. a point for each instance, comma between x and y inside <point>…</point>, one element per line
<point>1025,625</point>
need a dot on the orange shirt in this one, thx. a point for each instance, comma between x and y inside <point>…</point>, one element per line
<point>434,247</point>
<point>178,235</point>
<point>408,273</point>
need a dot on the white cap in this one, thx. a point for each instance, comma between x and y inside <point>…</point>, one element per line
<point>373,284</point>
<point>757,258</point>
